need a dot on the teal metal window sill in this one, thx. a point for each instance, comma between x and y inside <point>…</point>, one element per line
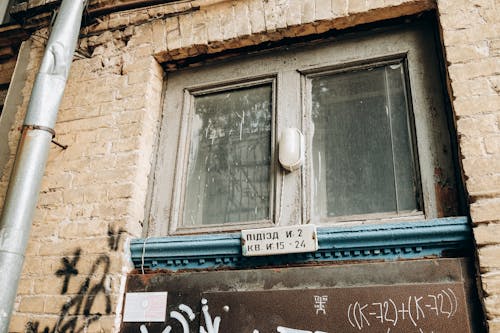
<point>443,237</point>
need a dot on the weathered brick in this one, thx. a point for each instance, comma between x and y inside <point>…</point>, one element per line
<point>492,144</point>
<point>43,230</point>
<point>32,304</point>
<point>293,12</point>
<point>43,321</point>
<point>493,325</point>
<point>77,112</point>
<point>71,196</point>
<point>47,285</point>
<point>106,323</point>
<point>120,191</point>
<point>489,258</point>
<point>472,147</point>
<point>482,166</point>
<point>117,20</point>
<point>68,230</point>
<point>81,211</point>
<point>487,234</point>
<point>479,185</point>
<point>50,198</point>
<point>308,10</point>
<point>226,20</point>
<point>173,33</point>
<point>25,286</point>
<point>474,69</point>
<point>486,210</point>
<point>243,26</point>
<point>491,282</point>
<point>340,8</point>
<point>357,6</point>
<point>481,86</point>
<point>136,77</point>
<point>199,30</point>
<point>373,4</point>
<point>54,304</point>
<point>33,248</point>
<point>472,126</point>
<point>492,304</point>
<point>322,9</point>
<point>477,105</point>
<point>18,323</point>
<point>186,29</point>
<point>139,16</point>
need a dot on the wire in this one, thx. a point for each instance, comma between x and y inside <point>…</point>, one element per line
<point>143,254</point>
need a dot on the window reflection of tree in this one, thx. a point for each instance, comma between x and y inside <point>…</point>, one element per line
<point>230,157</point>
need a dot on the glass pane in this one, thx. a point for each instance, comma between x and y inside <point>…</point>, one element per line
<point>362,157</point>
<point>403,157</point>
<point>230,157</point>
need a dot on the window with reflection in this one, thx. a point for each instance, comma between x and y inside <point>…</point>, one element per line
<point>230,157</point>
<point>362,146</point>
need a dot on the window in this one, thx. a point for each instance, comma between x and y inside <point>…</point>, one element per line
<point>370,106</point>
<point>228,178</point>
<point>362,142</point>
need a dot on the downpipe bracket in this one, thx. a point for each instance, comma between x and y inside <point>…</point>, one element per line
<point>47,129</point>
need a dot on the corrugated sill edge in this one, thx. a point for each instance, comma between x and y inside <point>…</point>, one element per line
<point>440,237</point>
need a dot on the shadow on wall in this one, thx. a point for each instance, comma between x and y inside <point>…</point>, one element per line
<point>76,315</point>
<point>12,102</point>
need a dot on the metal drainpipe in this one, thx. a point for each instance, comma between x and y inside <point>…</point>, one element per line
<point>31,157</point>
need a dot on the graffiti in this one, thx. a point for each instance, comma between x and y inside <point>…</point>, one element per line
<point>414,309</point>
<point>69,269</point>
<point>212,326</point>
<point>78,313</point>
<point>114,237</point>
<point>320,303</point>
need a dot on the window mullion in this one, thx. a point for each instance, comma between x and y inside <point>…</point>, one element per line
<point>288,114</point>
<point>310,199</point>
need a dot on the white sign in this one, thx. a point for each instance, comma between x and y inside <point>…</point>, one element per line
<point>145,307</point>
<point>279,240</point>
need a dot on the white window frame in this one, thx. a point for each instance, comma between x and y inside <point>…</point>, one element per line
<point>181,165</point>
<point>291,71</point>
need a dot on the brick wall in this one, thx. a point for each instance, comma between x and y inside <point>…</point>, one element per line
<point>471,35</point>
<point>94,193</point>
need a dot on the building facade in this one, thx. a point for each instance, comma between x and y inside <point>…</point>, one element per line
<point>182,120</point>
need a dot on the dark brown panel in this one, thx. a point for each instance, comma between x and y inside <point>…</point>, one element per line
<point>412,296</point>
<point>401,308</point>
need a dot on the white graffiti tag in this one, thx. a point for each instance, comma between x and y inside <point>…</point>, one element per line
<point>179,317</point>
<point>320,303</point>
<point>212,326</point>
<point>185,313</point>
